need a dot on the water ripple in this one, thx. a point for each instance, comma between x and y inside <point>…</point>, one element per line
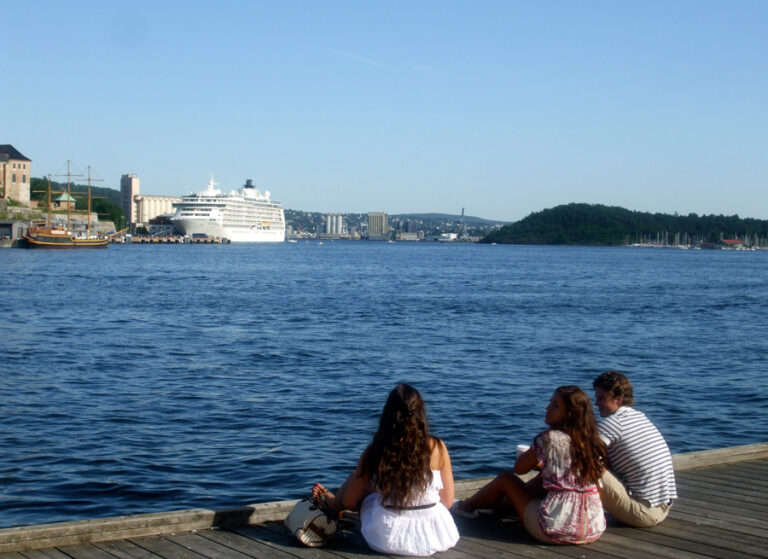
<point>146,378</point>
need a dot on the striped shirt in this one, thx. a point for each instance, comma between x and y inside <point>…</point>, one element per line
<point>639,456</point>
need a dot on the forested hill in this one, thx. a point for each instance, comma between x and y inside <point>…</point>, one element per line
<point>595,224</point>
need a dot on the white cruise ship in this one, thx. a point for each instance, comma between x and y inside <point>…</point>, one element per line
<point>242,216</point>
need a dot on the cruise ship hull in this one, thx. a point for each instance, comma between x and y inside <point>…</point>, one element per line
<point>240,235</point>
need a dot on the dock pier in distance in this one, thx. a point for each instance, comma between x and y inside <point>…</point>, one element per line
<point>171,240</point>
<point>721,513</point>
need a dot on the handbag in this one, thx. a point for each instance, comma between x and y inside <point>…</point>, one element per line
<point>311,523</point>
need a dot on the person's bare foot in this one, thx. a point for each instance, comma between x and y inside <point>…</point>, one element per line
<point>320,493</point>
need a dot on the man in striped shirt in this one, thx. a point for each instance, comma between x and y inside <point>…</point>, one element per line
<point>639,487</point>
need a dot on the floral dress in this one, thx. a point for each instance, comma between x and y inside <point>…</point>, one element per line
<point>571,512</point>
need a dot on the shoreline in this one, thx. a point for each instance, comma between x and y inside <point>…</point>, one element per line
<point>39,536</point>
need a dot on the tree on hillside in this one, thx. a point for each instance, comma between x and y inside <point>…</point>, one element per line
<point>595,224</point>
<point>106,210</point>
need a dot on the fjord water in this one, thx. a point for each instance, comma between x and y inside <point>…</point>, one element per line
<point>150,378</point>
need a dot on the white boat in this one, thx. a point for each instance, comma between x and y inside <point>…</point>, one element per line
<point>245,215</point>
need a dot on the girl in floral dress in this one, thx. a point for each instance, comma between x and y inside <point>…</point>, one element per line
<point>562,505</point>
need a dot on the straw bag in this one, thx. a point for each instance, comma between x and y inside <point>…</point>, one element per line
<point>311,524</point>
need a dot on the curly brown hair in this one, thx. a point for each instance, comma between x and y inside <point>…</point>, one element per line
<point>617,385</point>
<point>589,456</point>
<point>398,459</point>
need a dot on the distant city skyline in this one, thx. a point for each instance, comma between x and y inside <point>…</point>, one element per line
<point>499,107</point>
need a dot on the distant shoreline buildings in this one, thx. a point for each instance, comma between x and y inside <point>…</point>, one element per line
<point>15,173</point>
<point>142,210</point>
<point>152,213</point>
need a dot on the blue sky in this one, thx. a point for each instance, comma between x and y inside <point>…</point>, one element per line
<point>503,108</point>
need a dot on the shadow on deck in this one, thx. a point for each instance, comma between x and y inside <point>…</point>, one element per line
<point>722,512</point>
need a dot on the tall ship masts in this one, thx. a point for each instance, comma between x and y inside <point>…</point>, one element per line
<point>49,236</point>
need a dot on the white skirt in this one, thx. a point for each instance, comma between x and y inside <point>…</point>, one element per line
<point>408,532</point>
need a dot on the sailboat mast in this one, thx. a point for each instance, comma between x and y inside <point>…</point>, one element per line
<point>88,215</point>
<point>68,196</point>
<point>49,202</point>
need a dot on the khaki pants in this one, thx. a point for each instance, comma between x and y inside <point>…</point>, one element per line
<point>628,509</point>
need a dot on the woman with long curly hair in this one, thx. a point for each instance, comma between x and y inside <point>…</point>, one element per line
<point>403,483</point>
<point>562,505</point>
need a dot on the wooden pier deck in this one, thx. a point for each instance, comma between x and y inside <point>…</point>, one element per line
<point>722,512</point>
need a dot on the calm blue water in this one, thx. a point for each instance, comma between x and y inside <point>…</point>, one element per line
<point>150,378</point>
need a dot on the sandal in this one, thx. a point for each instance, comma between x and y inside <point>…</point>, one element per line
<point>321,494</point>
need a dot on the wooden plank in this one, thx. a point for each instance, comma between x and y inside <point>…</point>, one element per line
<point>121,527</point>
<point>673,545</point>
<point>506,537</point>
<point>633,547</point>
<point>701,511</point>
<point>695,516</point>
<point>286,546</point>
<point>713,536</point>
<point>123,549</point>
<point>748,470</point>
<point>72,533</point>
<point>204,546</point>
<point>248,546</point>
<point>706,458</point>
<point>726,487</point>
<point>724,497</point>
<point>735,509</point>
<point>276,535</point>
<point>723,478</point>
<point>467,487</point>
<point>164,548</point>
<point>85,551</point>
<point>51,553</point>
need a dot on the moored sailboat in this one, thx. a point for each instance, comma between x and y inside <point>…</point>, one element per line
<point>47,235</point>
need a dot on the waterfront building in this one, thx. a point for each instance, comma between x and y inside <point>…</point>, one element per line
<point>64,201</point>
<point>334,224</point>
<point>161,225</point>
<point>377,226</point>
<point>406,236</point>
<point>12,232</point>
<point>149,206</point>
<point>129,189</point>
<point>15,172</point>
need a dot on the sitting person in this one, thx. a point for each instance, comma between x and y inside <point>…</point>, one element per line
<point>403,483</point>
<point>566,508</point>
<point>640,486</point>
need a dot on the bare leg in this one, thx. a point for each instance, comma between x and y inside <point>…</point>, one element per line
<point>536,488</point>
<point>506,486</point>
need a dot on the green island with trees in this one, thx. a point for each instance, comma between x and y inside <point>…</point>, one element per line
<point>596,224</point>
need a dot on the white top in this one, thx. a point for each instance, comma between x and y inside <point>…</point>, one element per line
<point>639,456</point>
<point>409,532</point>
